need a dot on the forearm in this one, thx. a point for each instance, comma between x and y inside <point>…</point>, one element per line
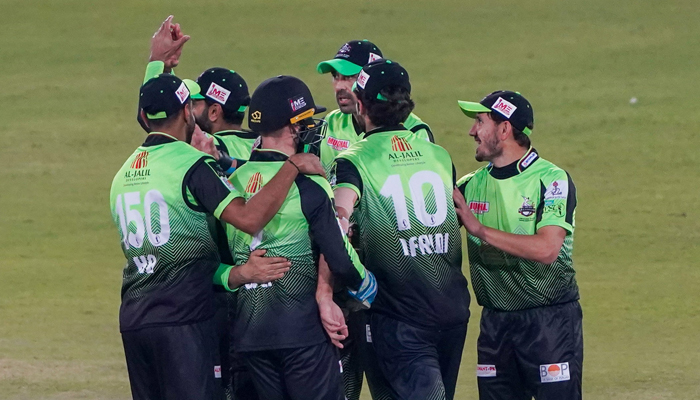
<point>222,277</point>
<point>540,247</point>
<point>324,287</point>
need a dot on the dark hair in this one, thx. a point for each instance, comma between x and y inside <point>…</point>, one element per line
<point>233,117</point>
<point>156,124</point>
<point>522,139</point>
<point>392,111</point>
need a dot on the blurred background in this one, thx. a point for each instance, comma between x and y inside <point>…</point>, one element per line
<point>614,86</point>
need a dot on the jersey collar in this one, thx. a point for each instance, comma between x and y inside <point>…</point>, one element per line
<point>267,155</point>
<point>516,167</point>
<point>157,138</point>
<point>386,129</point>
<point>240,134</point>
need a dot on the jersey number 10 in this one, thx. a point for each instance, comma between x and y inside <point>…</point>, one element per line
<point>393,188</point>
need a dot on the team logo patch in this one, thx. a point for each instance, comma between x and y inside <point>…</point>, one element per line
<point>527,208</point>
<point>338,144</point>
<point>297,103</point>
<point>362,79</point>
<point>254,183</point>
<point>373,57</point>
<point>255,117</point>
<point>479,207</point>
<point>218,93</point>
<point>504,107</point>
<point>554,372</point>
<point>400,144</point>
<point>140,161</point>
<point>182,93</point>
<point>344,51</point>
<point>485,371</point>
<point>217,371</point>
<point>557,190</point>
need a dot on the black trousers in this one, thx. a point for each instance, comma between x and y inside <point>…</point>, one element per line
<point>303,373</point>
<point>171,362</point>
<point>352,355</point>
<point>536,352</point>
<point>418,364</point>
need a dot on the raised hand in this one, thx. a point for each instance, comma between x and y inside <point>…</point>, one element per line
<point>166,44</point>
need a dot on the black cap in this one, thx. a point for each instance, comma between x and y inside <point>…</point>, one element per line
<point>350,59</point>
<point>165,95</point>
<point>380,74</point>
<point>280,101</point>
<point>511,106</point>
<point>225,87</point>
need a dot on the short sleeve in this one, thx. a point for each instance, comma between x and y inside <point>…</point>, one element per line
<point>558,205</point>
<point>210,190</point>
<point>345,174</point>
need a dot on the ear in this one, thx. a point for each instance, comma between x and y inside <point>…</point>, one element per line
<point>188,112</point>
<point>505,129</point>
<point>143,118</point>
<point>360,107</point>
<point>215,112</point>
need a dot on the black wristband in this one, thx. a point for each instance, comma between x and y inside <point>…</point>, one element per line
<point>295,166</point>
<point>224,161</point>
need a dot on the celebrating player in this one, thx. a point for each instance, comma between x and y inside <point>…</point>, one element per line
<point>401,186</point>
<point>519,213</point>
<point>277,329</point>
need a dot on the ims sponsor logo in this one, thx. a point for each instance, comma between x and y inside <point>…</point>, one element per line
<point>218,93</point>
<point>297,103</point>
<point>254,183</point>
<point>504,107</point>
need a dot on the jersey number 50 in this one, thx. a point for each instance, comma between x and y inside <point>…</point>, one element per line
<point>129,215</point>
<point>394,188</point>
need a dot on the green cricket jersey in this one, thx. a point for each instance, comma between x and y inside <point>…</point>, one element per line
<point>521,198</point>
<point>164,201</point>
<point>409,232</point>
<point>284,313</point>
<point>237,144</point>
<point>343,132</point>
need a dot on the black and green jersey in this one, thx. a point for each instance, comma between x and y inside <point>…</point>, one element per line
<point>163,201</point>
<point>237,144</point>
<point>343,132</point>
<point>284,313</point>
<point>521,198</point>
<point>409,233</point>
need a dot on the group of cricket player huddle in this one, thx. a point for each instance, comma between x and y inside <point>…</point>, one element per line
<point>299,257</point>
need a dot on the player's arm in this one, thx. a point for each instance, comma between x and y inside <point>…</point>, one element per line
<point>555,221</point>
<point>347,190</point>
<point>258,269</point>
<point>332,316</point>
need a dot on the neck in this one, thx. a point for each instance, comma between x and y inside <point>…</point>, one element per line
<point>511,152</point>
<point>369,126</point>
<point>179,134</point>
<point>283,145</point>
<point>224,126</point>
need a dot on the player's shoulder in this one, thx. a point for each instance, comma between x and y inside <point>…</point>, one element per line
<point>548,171</point>
<point>468,177</point>
<point>420,128</point>
<point>320,183</point>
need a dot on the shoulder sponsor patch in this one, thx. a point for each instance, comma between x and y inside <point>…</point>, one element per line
<point>554,372</point>
<point>557,190</point>
<point>362,79</point>
<point>182,93</point>
<point>485,371</point>
<point>528,160</point>
<point>504,107</point>
<point>218,93</point>
<point>226,182</point>
<point>373,57</point>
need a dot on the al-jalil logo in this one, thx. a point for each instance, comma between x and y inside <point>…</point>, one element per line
<point>400,144</point>
<point>140,161</point>
<point>254,183</point>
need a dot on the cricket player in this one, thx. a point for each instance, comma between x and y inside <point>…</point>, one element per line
<point>344,125</point>
<point>277,328</point>
<point>519,213</point>
<point>164,200</point>
<point>398,186</point>
<point>343,131</point>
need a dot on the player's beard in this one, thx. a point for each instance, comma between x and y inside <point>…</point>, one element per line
<point>190,129</point>
<point>348,101</point>
<point>203,121</point>
<point>488,149</point>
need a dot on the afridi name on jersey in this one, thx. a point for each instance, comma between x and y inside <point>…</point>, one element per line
<point>343,132</point>
<point>284,313</point>
<point>521,198</point>
<point>409,233</point>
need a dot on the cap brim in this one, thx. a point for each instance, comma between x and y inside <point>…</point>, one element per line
<point>470,108</point>
<point>344,67</point>
<point>193,87</point>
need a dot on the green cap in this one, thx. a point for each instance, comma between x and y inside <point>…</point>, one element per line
<point>194,89</point>
<point>511,106</point>
<point>470,108</point>
<point>351,57</point>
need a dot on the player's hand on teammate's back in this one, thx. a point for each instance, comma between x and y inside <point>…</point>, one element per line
<point>333,321</point>
<point>261,269</point>
<point>166,44</point>
<point>466,217</point>
<point>308,164</point>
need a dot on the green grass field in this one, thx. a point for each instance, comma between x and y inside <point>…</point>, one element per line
<point>70,73</point>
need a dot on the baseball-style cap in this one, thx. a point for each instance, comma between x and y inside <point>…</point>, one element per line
<point>509,105</point>
<point>350,59</point>
<point>225,87</point>
<point>280,101</point>
<point>380,74</point>
<point>165,95</point>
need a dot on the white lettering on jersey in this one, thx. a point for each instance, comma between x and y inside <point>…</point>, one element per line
<point>426,244</point>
